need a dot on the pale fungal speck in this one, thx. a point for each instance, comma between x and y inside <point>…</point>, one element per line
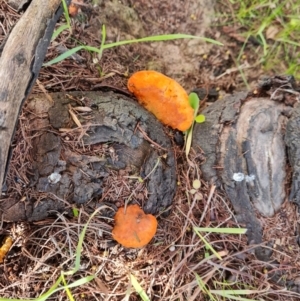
<point>172,248</point>
<point>250,178</point>
<point>54,178</point>
<point>238,176</point>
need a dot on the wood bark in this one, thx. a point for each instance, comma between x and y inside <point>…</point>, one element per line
<point>244,140</point>
<point>20,62</point>
<point>137,144</point>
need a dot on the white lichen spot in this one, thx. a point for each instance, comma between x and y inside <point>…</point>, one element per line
<point>250,178</point>
<point>238,177</point>
<point>54,178</point>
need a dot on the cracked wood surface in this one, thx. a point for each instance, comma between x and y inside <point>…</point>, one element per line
<point>20,62</point>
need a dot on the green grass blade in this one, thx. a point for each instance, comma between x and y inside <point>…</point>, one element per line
<point>70,53</point>
<point>76,283</point>
<point>111,45</point>
<point>66,13</point>
<point>63,56</point>
<point>188,142</point>
<point>58,31</point>
<point>138,288</point>
<point>235,292</point>
<point>51,290</point>
<point>79,282</point>
<point>222,230</point>
<point>203,287</point>
<point>103,38</point>
<point>161,38</point>
<point>68,292</point>
<point>208,245</point>
<point>79,248</point>
<point>194,102</point>
<point>230,294</point>
<point>289,42</point>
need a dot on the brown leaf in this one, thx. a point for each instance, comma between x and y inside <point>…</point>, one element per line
<point>272,32</point>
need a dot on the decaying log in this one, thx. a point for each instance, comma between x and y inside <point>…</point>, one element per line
<point>60,176</point>
<point>20,63</point>
<point>244,140</point>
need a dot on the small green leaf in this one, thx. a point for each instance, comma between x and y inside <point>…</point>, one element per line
<point>194,101</point>
<point>200,118</point>
<point>75,211</point>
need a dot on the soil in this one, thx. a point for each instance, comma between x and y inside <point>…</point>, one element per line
<point>44,244</point>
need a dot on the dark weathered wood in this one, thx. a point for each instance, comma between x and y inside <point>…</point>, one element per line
<point>20,63</point>
<point>114,120</point>
<point>18,4</point>
<point>244,140</point>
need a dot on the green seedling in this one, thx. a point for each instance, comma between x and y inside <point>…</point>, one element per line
<point>194,102</point>
<point>63,27</point>
<point>104,46</point>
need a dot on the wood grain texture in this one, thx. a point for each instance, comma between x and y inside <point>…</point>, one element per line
<point>16,64</point>
<point>245,139</point>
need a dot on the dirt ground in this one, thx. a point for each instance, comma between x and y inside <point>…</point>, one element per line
<point>167,268</point>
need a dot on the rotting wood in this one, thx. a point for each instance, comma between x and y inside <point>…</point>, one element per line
<point>20,63</point>
<point>244,139</point>
<point>137,146</point>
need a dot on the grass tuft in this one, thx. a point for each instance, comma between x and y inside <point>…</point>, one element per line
<point>275,28</point>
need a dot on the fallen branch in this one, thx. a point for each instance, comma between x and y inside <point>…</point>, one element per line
<point>21,60</point>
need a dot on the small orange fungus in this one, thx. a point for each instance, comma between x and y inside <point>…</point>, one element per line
<point>74,7</point>
<point>133,228</point>
<point>5,248</point>
<point>164,97</point>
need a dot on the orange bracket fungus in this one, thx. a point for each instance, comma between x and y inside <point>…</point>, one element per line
<point>163,97</point>
<point>133,228</point>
